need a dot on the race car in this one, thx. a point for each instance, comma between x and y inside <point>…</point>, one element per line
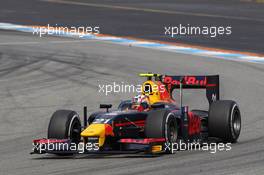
<point>148,123</point>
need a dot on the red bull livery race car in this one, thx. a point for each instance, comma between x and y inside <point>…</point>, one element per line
<point>151,122</point>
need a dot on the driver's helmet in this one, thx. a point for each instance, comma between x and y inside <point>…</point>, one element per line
<point>140,102</point>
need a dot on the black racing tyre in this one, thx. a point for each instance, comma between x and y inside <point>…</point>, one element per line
<point>224,120</point>
<point>161,123</point>
<point>65,124</point>
<point>93,116</point>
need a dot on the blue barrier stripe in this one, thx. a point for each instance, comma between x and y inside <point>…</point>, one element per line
<point>146,44</point>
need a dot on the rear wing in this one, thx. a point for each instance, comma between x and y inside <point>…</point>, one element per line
<point>208,82</point>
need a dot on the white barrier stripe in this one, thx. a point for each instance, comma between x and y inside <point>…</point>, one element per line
<point>146,44</point>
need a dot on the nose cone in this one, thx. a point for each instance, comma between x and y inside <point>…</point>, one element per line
<point>94,130</point>
<point>98,130</point>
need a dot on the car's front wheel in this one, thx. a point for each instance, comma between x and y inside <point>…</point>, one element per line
<point>65,124</point>
<point>162,124</point>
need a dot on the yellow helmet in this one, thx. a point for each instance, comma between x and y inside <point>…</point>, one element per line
<point>151,89</point>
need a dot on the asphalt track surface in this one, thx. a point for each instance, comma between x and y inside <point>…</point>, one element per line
<point>147,19</point>
<point>38,76</point>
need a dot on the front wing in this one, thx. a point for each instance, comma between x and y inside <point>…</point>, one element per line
<point>127,145</point>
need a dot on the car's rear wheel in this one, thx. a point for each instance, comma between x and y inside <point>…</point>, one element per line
<point>224,120</point>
